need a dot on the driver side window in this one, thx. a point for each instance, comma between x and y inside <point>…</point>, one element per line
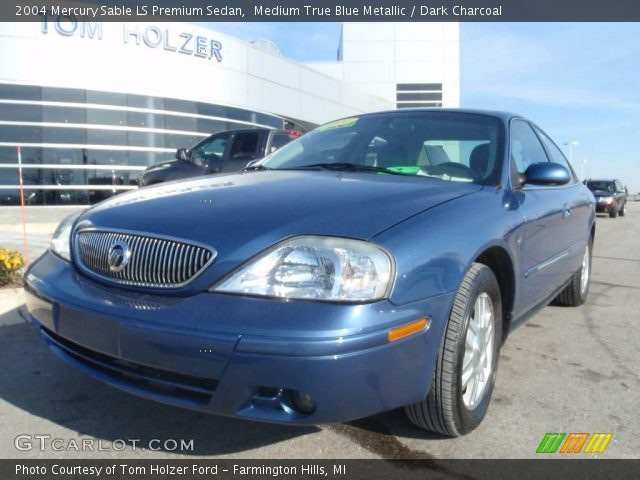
<point>526,148</point>
<point>210,152</point>
<point>555,153</point>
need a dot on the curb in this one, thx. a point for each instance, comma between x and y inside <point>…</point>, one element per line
<point>12,307</point>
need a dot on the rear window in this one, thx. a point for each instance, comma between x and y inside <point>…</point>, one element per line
<point>279,140</point>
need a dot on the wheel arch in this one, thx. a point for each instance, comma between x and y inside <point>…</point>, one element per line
<point>501,264</point>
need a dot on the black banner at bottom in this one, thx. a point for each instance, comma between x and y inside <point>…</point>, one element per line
<point>317,469</point>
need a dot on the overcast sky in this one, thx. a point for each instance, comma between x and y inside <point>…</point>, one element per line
<point>578,81</point>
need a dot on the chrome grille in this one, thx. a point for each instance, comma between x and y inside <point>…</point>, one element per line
<point>152,262</point>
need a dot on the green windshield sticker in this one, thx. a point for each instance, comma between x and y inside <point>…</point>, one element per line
<point>344,123</point>
<point>406,170</point>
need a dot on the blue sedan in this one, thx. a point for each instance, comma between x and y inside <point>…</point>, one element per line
<point>377,262</point>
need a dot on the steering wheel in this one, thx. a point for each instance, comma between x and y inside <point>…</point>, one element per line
<point>452,169</point>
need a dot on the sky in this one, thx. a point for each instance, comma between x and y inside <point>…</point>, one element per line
<point>577,81</point>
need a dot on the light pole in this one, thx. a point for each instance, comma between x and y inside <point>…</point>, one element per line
<point>582,168</point>
<point>571,143</point>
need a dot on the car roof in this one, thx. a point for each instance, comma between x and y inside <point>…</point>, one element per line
<point>253,129</point>
<point>504,116</point>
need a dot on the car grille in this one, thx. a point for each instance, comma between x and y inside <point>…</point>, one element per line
<point>154,262</point>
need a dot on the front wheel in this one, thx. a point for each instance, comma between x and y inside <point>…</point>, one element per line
<point>465,371</point>
<point>623,210</point>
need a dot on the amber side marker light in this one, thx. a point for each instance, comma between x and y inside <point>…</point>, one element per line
<point>408,329</point>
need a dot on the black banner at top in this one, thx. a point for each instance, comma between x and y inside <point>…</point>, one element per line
<point>324,11</point>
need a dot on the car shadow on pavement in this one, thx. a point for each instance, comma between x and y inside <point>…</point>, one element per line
<point>382,435</point>
<point>35,381</point>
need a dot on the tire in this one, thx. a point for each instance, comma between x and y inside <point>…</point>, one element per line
<point>450,407</point>
<point>575,294</point>
<point>623,210</point>
<point>613,213</point>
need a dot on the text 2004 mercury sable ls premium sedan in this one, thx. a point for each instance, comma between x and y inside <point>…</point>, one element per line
<point>377,262</point>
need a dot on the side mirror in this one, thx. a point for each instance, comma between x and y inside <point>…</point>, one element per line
<point>546,173</point>
<point>181,154</point>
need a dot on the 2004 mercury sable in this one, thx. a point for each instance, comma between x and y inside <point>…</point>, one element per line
<point>377,262</point>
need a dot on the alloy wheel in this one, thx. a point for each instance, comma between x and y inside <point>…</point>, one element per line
<point>584,274</point>
<point>478,353</point>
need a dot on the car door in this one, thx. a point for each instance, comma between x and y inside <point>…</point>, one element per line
<point>209,156</point>
<point>580,201</point>
<point>246,147</point>
<point>546,240</point>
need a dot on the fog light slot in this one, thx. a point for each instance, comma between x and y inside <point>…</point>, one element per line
<point>302,402</point>
<point>286,400</point>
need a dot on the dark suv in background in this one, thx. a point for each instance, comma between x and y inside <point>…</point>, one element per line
<point>611,196</point>
<point>228,151</point>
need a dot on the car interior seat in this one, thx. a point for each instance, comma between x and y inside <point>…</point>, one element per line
<point>392,155</point>
<point>479,160</point>
<point>433,155</point>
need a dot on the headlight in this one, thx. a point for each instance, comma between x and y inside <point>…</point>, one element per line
<point>318,268</point>
<point>61,239</point>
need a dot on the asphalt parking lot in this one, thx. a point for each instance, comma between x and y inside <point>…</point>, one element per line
<point>566,370</point>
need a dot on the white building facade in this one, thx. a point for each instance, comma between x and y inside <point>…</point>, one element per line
<point>92,104</point>
<point>407,64</point>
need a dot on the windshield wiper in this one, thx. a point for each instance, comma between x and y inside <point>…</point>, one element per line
<point>347,167</point>
<point>255,168</point>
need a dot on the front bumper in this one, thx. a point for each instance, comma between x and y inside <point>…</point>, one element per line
<point>234,355</point>
<point>603,207</point>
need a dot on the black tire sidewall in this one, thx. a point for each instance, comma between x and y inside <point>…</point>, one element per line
<point>485,281</point>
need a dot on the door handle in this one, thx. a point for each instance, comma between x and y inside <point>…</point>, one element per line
<point>566,211</point>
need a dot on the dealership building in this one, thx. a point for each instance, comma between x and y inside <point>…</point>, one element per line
<point>91,105</point>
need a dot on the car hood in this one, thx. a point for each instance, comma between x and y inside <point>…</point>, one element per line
<point>601,193</point>
<point>242,214</point>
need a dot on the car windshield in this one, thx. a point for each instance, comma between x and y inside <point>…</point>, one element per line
<point>458,147</point>
<point>601,186</point>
